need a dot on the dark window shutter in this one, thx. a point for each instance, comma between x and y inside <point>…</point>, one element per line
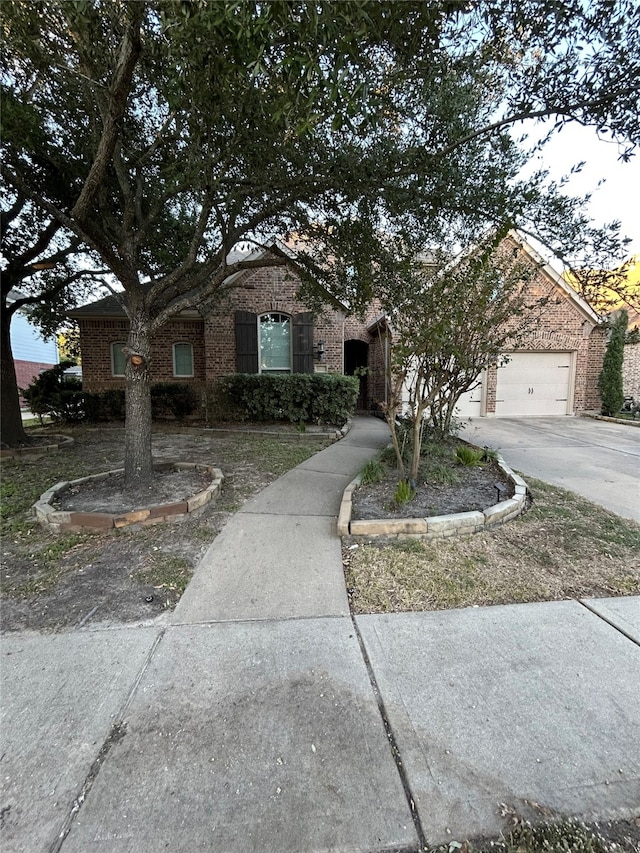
<point>246,342</point>
<point>303,343</point>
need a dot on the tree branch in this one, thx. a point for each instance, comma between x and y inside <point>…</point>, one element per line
<point>118,93</point>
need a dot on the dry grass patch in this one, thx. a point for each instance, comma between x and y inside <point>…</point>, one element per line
<point>563,547</point>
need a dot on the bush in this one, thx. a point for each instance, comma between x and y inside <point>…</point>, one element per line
<point>373,472</point>
<point>296,398</point>
<point>468,455</point>
<point>54,394</point>
<point>173,399</point>
<point>63,400</point>
<point>610,379</point>
<point>168,399</point>
<point>404,493</point>
<point>104,405</point>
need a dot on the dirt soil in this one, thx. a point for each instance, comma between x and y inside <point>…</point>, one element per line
<point>60,582</point>
<point>109,495</point>
<point>475,490</point>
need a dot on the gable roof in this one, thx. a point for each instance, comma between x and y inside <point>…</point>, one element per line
<point>111,306</point>
<point>581,304</point>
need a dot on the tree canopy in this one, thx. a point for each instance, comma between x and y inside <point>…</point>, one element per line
<point>208,124</point>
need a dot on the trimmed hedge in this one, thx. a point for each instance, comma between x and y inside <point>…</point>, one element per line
<point>168,399</point>
<point>51,393</point>
<point>296,398</point>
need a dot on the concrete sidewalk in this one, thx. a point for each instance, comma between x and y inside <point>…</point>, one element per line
<point>262,717</point>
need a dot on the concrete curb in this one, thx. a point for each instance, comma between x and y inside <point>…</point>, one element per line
<point>58,441</point>
<point>624,421</point>
<point>436,526</point>
<point>65,521</point>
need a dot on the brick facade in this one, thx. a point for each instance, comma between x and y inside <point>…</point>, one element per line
<point>97,335</point>
<point>262,291</point>
<point>350,342</point>
<point>564,324</point>
<point>631,371</point>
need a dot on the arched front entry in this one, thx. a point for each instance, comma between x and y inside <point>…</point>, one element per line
<point>356,357</point>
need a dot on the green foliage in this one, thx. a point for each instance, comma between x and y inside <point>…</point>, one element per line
<point>104,405</point>
<point>439,473</point>
<point>62,399</point>
<point>54,394</point>
<point>299,397</point>
<point>373,472</point>
<point>610,379</point>
<point>489,455</point>
<point>404,493</point>
<point>175,399</point>
<point>466,455</point>
<point>341,121</point>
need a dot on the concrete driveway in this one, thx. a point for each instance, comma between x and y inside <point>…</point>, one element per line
<point>596,459</point>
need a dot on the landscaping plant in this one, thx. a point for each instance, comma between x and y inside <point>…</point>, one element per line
<point>610,379</point>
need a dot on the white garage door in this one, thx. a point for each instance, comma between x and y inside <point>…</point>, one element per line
<point>534,383</point>
<point>468,406</point>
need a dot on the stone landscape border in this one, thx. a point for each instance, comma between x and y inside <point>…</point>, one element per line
<point>436,526</point>
<point>58,441</point>
<point>66,521</point>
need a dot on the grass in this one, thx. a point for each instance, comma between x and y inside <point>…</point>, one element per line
<point>165,571</point>
<point>373,472</point>
<point>563,547</point>
<point>468,455</point>
<point>567,836</point>
<point>36,560</point>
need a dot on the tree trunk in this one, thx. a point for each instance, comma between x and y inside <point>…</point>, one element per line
<point>138,464</point>
<point>12,433</point>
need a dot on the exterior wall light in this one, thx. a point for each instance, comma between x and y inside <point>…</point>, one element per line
<point>320,351</point>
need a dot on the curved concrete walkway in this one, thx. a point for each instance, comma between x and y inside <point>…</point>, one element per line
<point>279,557</point>
<point>264,718</point>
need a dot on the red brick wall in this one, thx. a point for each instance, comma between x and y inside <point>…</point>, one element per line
<point>261,291</point>
<point>560,326</point>
<point>631,371</point>
<point>97,335</point>
<point>26,372</point>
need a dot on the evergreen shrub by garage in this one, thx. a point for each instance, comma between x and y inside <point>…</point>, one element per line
<point>297,397</point>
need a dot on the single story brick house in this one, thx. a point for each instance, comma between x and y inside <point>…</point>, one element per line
<point>261,326</point>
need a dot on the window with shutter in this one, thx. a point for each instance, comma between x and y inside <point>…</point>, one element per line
<point>303,343</point>
<point>275,343</point>
<point>246,342</point>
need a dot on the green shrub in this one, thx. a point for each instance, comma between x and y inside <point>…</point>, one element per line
<point>373,472</point>
<point>104,405</point>
<point>404,493</point>
<point>469,455</point>
<point>610,379</point>
<point>54,394</point>
<point>296,398</point>
<point>175,399</point>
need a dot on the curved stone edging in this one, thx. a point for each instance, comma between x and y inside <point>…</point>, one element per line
<point>436,526</point>
<point>58,521</point>
<point>39,449</point>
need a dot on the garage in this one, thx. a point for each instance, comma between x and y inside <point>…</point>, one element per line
<point>535,383</point>
<point>470,403</point>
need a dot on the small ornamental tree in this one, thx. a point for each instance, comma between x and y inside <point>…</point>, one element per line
<point>449,325</point>
<point>610,379</point>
